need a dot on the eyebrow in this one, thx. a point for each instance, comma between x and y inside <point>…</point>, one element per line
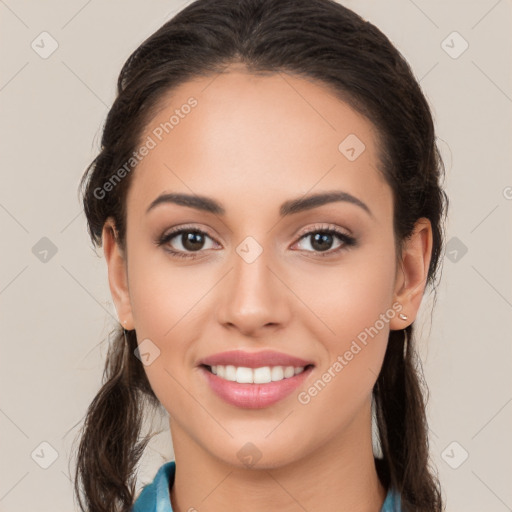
<point>207,204</point>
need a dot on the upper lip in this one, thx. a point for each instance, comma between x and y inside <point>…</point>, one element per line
<point>254,359</point>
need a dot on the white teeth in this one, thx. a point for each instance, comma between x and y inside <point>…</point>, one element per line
<point>244,375</point>
<point>277,373</point>
<point>289,371</point>
<point>230,373</point>
<point>262,375</point>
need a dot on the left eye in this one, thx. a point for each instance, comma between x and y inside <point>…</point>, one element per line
<point>321,240</point>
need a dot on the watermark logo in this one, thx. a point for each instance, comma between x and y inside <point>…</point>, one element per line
<point>455,249</point>
<point>44,45</point>
<point>249,249</point>
<point>44,455</point>
<point>351,147</point>
<point>44,250</point>
<point>249,454</point>
<point>454,455</point>
<point>146,352</point>
<point>454,45</point>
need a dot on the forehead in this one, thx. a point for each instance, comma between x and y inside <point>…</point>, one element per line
<point>256,137</point>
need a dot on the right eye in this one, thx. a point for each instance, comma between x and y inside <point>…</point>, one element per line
<point>190,239</point>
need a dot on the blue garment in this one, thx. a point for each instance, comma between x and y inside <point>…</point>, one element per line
<point>155,497</point>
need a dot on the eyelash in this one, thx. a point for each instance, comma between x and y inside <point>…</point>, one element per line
<point>348,241</point>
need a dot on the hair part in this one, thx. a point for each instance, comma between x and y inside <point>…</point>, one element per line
<point>350,56</point>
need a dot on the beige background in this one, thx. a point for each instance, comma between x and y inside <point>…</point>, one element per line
<point>56,315</point>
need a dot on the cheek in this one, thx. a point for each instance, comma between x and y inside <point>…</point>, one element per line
<point>352,360</point>
<point>351,296</point>
<point>354,303</point>
<point>162,293</point>
<point>166,302</point>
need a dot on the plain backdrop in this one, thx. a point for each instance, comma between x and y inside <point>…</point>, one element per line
<point>55,304</point>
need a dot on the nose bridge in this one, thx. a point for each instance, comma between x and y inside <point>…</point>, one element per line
<point>253,296</point>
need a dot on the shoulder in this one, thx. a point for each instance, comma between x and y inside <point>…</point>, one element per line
<point>393,502</point>
<point>157,492</point>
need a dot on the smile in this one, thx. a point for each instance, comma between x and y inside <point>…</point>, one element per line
<point>254,388</point>
<point>261,375</point>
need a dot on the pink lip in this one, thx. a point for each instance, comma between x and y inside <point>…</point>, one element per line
<point>254,359</point>
<point>254,396</point>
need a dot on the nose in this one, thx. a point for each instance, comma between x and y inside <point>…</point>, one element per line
<point>253,298</point>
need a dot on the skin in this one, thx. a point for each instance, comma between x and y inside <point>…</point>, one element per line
<point>252,143</point>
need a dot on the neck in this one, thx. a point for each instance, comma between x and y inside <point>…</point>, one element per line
<point>340,475</point>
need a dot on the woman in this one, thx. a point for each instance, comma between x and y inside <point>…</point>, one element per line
<point>268,200</point>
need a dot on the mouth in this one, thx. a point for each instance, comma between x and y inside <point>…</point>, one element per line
<point>254,388</point>
<point>254,380</point>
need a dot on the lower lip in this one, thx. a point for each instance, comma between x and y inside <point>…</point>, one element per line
<point>254,396</point>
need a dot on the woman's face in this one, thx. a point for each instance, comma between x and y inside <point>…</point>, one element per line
<point>258,147</point>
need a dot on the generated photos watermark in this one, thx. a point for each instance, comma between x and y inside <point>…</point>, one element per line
<point>342,360</point>
<point>157,135</point>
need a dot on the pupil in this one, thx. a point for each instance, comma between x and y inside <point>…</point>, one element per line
<point>322,241</point>
<point>192,241</point>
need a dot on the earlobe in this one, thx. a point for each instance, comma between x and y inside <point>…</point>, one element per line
<point>117,274</point>
<point>412,273</point>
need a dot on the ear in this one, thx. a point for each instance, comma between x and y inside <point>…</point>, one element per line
<point>117,274</point>
<point>412,273</point>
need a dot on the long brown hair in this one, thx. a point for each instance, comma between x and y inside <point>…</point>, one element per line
<point>317,39</point>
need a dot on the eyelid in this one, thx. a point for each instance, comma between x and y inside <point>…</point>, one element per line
<point>186,227</point>
<point>300,234</point>
<point>324,226</point>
